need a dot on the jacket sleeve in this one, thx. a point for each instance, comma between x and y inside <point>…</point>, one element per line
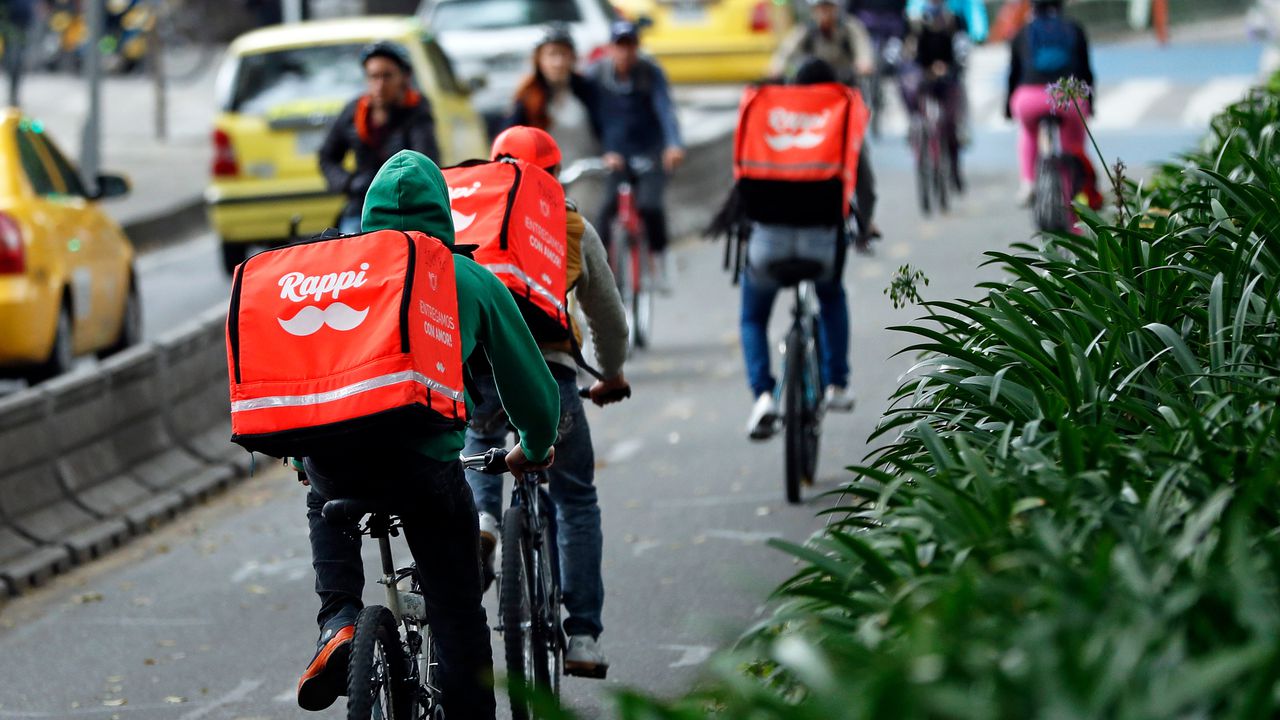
<point>334,150</point>
<point>525,386</point>
<point>588,93</point>
<point>665,108</point>
<point>863,51</point>
<point>1085,66</point>
<point>788,51</point>
<point>422,134</point>
<point>1015,71</point>
<point>597,293</point>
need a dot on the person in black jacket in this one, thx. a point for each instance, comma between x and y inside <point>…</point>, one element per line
<point>390,117</point>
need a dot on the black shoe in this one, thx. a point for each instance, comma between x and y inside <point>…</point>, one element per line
<point>326,676</point>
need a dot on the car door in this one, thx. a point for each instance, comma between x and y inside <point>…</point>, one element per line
<point>107,248</point>
<point>62,211</point>
<point>459,130</point>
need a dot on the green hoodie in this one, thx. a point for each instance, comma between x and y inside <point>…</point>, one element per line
<point>409,193</point>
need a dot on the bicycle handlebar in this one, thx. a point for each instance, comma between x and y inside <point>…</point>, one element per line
<point>490,462</point>
<point>618,394</point>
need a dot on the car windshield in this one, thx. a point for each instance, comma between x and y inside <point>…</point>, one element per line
<point>319,72</point>
<point>496,14</point>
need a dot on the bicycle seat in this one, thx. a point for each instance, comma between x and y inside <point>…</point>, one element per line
<point>792,271</point>
<point>345,512</point>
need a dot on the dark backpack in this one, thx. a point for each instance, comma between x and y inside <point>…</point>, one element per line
<point>1052,42</point>
<point>810,40</point>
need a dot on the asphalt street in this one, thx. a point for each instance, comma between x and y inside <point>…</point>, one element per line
<point>212,616</point>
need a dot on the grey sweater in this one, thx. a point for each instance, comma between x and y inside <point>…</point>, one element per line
<point>597,293</point>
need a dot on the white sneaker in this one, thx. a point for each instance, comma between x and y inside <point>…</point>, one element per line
<point>1026,193</point>
<point>763,422</point>
<point>489,534</point>
<point>662,273</point>
<point>839,399</point>
<point>583,658</point>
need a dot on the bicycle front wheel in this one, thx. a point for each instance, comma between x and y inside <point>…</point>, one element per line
<point>376,676</point>
<point>642,291</point>
<point>522,635</point>
<point>793,408</point>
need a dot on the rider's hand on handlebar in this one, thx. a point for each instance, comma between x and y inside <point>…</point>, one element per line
<point>609,390</point>
<point>521,465</point>
<point>672,158</point>
<point>614,162</point>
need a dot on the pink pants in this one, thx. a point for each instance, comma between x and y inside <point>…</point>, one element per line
<point>1032,102</point>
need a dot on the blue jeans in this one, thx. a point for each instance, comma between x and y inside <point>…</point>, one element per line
<point>571,481</point>
<point>772,242</point>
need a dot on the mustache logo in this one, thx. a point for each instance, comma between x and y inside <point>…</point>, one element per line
<point>462,222</point>
<point>803,141</point>
<point>310,319</point>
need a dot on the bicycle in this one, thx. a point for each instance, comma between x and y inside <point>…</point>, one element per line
<point>800,392</point>
<point>393,667</point>
<point>528,587</point>
<point>930,141</point>
<point>1058,179</point>
<point>629,255</point>
<point>131,31</point>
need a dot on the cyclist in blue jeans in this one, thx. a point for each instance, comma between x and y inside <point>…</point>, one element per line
<point>823,244</point>
<point>571,480</point>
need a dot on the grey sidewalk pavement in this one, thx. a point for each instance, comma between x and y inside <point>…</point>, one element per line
<point>168,176</point>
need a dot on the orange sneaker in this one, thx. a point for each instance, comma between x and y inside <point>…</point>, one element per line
<point>326,676</point>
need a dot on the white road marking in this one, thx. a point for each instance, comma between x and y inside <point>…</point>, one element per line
<point>643,547</point>
<point>241,691</point>
<point>689,654</point>
<point>1123,105</point>
<point>746,537</point>
<point>1212,97</point>
<point>292,569</point>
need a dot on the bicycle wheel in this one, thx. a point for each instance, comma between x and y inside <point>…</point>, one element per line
<point>549,600</point>
<point>620,261</point>
<point>376,686</point>
<point>812,409</point>
<point>923,171</point>
<point>521,632</point>
<point>1050,206</point>
<point>642,291</point>
<point>793,409</point>
<point>187,52</point>
<point>941,169</point>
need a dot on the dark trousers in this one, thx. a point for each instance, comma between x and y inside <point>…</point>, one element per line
<point>647,189</point>
<point>439,518</point>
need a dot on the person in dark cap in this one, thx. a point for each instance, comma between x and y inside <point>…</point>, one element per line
<point>391,116</point>
<point>556,98</point>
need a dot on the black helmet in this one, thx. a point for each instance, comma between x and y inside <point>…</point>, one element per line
<point>557,33</point>
<point>389,50</point>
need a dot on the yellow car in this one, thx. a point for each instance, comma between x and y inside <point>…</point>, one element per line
<point>711,41</point>
<point>278,90</point>
<point>67,285</point>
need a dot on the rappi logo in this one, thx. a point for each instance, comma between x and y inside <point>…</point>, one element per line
<point>461,221</point>
<point>298,288</point>
<point>796,129</point>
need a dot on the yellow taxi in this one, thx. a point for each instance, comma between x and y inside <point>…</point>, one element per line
<point>67,285</point>
<point>278,90</point>
<point>711,41</point>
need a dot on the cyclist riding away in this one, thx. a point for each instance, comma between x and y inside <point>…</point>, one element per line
<point>638,122</point>
<point>934,46</point>
<point>1046,50</point>
<point>391,116</point>
<point>843,44</point>
<point>558,99</point>
<point>973,12</point>
<point>793,219</point>
<point>572,480</point>
<point>424,481</point>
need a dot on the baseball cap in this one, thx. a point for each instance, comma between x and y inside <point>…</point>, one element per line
<point>389,50</point>
<point>529,144</point>
<point>623,30</point>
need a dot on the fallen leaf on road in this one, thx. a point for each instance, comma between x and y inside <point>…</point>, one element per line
<point>142,601</point>
<point>175,699</point>
<point>85,598</point>
<point>117,702</point>
<point>256,589</point>
<point>165,643</point>
<point>149,661</point>
<point>762,511</point>
<point>113,679</point>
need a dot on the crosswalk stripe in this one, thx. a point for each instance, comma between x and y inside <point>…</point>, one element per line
<point>1123,105</point>
<point>1210,98</point>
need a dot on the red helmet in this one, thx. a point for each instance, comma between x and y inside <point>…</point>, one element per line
<point>529,144</point>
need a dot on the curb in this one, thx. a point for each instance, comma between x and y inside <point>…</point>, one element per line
<point>168,227</point>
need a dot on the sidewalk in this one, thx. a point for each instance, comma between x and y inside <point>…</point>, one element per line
<point>168,177</point>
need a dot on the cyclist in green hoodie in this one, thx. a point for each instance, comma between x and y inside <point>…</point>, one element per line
<point>425,482</point>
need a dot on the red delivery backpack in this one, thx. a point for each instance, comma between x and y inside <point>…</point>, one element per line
<point>514,213</point>
<point>795,152</point>
<point>336,340</point>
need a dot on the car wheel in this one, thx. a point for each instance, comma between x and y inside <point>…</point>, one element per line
<point>232,255</point>
<point>61,356</point>
<point>130,324</point>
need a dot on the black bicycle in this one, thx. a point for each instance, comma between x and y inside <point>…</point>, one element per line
<point>930,140</point>
<point>392,673</point>
<point>1059,177</point>
<point>528,587</point>
<point>800,392</point>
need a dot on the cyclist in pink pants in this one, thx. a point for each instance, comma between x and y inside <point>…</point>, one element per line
<point>1046,50</point>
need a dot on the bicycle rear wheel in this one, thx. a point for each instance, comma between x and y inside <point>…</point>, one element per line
<point>522,634</point>
<point>923,170</point>
<point>376,675</point>
<point>1050,206</point>
<point>941,166</point>
<point>793,409</point>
